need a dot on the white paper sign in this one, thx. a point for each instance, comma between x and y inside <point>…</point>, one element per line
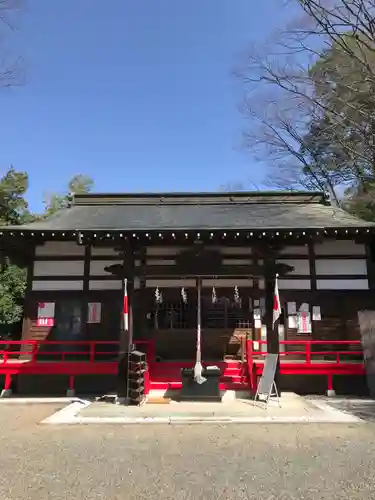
<point>304,322</point>
<point>304,307</point>
<point>46,314</point>
<point>317,316</point>
<point>257,314</point>
<point>257,323</point>
<point>94,312</point>
<point>256,345</point>
<point>292,308</point>
<point>292,322</point>
<point>46,310</point>
<point>263,336</point>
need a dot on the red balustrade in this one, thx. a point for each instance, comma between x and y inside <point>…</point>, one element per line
<point>87,358</point>
<point>308,354</point>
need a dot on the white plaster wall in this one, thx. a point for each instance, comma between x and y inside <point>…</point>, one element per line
<point>55,248</point>
<point>56,285</point>
<point>103,251</point>
<point>294,284</point>
<point>339,247</point>
<point>341,266</point>
<point>105,284</point>
<point>58,268</point>
<point>97,266</point>
<point>361,284</point>
<point>235,250</point>
<point>160,262</point>
<point>171,283</point>
<point>174,250</point>
<point>163,250</point>
<point>228,282</point>
<point>237,262</point>
<point>295,250</point>
<point>301,266</point>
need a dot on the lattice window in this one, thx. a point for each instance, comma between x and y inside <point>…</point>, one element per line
<point>175,314</point>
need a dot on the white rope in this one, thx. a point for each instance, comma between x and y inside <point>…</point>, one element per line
<point>198,368</point>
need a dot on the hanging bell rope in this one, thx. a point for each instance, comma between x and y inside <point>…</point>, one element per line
<point>198,368</point>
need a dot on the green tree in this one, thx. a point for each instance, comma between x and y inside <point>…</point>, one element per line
<point>13,211</point>
<point>12,292</point>
<point>79,184</point>
<point>342,136</point>
<point>13,206</point>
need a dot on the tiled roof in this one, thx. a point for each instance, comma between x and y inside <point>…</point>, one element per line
<point>190,211</point>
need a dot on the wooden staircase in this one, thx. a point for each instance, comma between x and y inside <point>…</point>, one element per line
<point>164,376</point>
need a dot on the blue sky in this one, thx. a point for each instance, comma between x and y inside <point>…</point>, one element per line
<point>137,94</point>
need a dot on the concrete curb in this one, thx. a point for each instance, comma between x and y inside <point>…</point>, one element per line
<point>70,416</point>
<point>333,413</point>
<point>23,401</point>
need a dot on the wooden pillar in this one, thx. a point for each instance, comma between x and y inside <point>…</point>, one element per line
<point>370,247</point>
<point>86,291</point>
<point>142,299</point>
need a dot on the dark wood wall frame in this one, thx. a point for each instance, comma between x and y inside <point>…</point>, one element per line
<point>85,291</point>
<point>140,296</point>
<point>27,308</point>
<point>312,257</point>
<point>370,261</point>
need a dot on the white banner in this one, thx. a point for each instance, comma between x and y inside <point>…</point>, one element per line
<point>304,322</point>
<point>46,314</point>
<point>94,314</point>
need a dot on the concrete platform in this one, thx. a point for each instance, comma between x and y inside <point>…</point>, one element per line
<point>292,409</point>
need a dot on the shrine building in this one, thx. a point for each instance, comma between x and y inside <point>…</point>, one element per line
<point>176,253</point>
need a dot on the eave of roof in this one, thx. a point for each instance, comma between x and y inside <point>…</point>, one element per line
<point>168,212</point>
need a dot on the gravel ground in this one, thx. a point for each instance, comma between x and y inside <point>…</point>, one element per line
<point>285,462</point>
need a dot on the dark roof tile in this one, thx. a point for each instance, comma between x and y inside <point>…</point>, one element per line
<point>158,212</point>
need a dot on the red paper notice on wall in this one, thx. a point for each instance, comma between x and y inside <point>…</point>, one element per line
<point>46,314</point>
<point>45,322</point>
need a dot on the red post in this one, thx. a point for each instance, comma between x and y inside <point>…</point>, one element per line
<point>8,382</point>
<point>250,363</point>
<point>329,382</point>
<point>71,382</point>
<point>147,380</point>
<point>92,352</point>
<point>308,353</point>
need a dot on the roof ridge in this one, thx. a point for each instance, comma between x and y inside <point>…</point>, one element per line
<point>215,198</point>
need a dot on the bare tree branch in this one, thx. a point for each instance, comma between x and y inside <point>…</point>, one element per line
<point>11,71</point>
<point>290,95</point>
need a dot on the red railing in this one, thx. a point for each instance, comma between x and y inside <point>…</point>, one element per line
<point>308,353</point>
<point>85,349</point>
<point>75,358</point>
